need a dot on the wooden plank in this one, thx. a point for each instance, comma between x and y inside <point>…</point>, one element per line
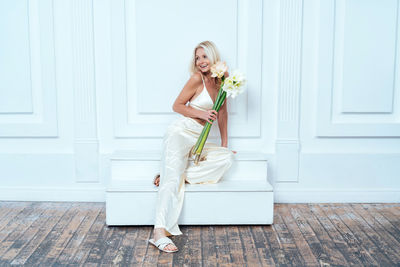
<point>391,213</point>
<point>41,234</point>
<point>360,235</point>
<point>114,246</point>
<point>368,212</point>
<point>193,247</point>
<point>181,241</point>
<point>90,238</point>
<point>152,253</point>
<point>276,248</point>
<point>374,230</point>
<point>50,239</point>
<point>316,237</point>
<point>286,239</point>
<point>222,246</point>
<point>21,223</point>
<point>26,213</point>
<point>71,248</point>
<point>262,246</point>
<point>125,253</point>
<point>100,245</point>
<point>9,210</point>
<point>66,234</point>
<point>249,249</point>
<point>209,253</point>
<point>141,245</point>
<point>24,244</point>
<point>354,254</point>
<point>305,251</point>
<point>334,256</point>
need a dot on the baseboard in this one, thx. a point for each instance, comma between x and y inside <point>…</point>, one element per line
<point>47,193</point>
<point>390,195</point>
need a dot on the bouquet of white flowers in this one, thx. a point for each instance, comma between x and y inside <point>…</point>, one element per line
<point>231,86</point>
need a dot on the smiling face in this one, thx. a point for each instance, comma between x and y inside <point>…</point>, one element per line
<point>202,60</point>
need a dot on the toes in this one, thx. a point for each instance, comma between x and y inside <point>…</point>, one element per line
<point>171,247</point>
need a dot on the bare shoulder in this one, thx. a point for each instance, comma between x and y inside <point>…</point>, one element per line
<point>226,74</point>
<point>196,77</point>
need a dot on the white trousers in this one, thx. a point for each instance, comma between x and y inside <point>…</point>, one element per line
<point>176,168</point>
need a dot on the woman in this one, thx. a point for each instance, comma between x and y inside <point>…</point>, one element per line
<point>201,91</point>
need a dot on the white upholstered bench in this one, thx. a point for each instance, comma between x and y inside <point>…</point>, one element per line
<point>243,195</point>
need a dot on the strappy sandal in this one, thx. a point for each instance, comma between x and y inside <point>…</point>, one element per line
<point>162,243</point>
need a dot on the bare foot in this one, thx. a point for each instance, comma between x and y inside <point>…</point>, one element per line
<point>157,180</point>
<point>160,232</point>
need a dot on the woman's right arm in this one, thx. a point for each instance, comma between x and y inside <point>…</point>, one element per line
<point>186,94</point>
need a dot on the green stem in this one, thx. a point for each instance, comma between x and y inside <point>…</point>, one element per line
<point>198,148</point>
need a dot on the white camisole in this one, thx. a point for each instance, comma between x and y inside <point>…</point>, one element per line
<point>203,101</point>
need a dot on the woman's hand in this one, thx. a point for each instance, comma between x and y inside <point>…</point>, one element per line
<point>209,115</point>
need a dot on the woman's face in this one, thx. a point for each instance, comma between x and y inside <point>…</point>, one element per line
<point>202,61</point>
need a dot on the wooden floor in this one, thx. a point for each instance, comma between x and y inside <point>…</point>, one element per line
<point>74,234</point>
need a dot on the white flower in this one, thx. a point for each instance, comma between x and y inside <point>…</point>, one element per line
<point>218,69</point>
<point>233,85</point>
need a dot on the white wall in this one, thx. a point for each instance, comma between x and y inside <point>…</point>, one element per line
<point>80,79</point>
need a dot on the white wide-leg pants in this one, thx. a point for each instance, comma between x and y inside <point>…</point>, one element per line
<point>175,168</point>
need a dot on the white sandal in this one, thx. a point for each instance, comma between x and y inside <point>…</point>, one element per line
<point>162,243</point>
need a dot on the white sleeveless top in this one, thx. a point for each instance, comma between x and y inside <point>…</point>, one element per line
<point>203,101</point>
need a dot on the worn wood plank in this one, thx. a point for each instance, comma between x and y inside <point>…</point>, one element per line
<point>21,224</point>
<point>262,246</point>
<point>141,245</point>
<point>75,234</point>
<point>125,252</point>
<point>222,246</point>
<point>351,251</point>
<point>335,257</point>
<point>17,222</point>
<point>360,235</point>
<point>209,252</point>
<point>305,251</point>
<point>391,214</point>
<point>277,251</point>
<point>65,235</point>
<point>77,238</point>
<point>319,248</point>
<point>27,242</point>
<point>51,238</point>
<point>90,238</point>
<point>193,247</point>
<point>375,233</point>
<point>41,234</point>
<point>151,255</point>
<point>9,210</point>
<point>114,245</point>
<point>286,239</point>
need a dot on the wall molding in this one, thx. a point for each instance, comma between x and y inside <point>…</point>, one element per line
<point>86,144</point>
<point>41,121</point>
<point>332,118</point>
<point>130,123</point>
<point>287,145</point>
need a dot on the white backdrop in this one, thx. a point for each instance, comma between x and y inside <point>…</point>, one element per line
<point>80,79</point>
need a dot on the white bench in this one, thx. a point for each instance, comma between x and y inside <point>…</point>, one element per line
<point>243,195</point>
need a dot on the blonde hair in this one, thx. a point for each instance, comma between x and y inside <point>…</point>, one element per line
<point>211,51</point>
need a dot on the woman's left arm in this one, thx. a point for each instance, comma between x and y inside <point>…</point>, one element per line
<point>223,124</point>
<point>223,120</point>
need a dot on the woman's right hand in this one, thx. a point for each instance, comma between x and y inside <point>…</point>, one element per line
<point>209,115</point>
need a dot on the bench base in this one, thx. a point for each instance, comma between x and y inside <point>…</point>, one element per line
<point>227,202</point>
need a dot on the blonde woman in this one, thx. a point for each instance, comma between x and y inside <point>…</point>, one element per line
<point>201,91</point>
